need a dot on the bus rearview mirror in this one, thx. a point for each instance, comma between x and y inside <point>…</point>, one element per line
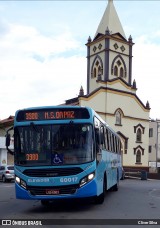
<point>8,138</point>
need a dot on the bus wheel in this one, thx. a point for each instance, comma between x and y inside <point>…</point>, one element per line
<point>100,199</point>
<point>45,202</point>
<point>116,186</point>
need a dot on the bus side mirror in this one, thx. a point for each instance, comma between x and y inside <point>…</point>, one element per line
<point>8,138</point>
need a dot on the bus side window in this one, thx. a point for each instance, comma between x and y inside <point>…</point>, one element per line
<point>120,147</point>
<point>97,140</point>
<point>115,138</point>
<point>113,142</point>
<point>102,138</point>
<point>116,144</point>
<point>106,139</point>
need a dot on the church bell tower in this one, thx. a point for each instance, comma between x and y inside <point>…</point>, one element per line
<point>109,54</point>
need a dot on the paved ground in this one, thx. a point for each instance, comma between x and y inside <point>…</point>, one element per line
<point>136,199</point>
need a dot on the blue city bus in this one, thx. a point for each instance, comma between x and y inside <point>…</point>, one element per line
<point>64,152</point>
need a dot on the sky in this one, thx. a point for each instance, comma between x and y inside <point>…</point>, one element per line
<point>43,53</point>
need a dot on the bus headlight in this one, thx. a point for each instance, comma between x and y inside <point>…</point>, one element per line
<point>87,179</point>
<point>18,180</point>
<point>21,182</point>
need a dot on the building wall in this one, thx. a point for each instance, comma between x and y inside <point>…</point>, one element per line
<point>105,103</point>
<point>154,145</point>
<point>5,157</point>
<point>152,141</point>
<point>2,131</point>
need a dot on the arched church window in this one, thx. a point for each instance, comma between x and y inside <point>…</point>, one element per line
<point>138,157</point>
<point>97,63</point>
<point>118,67</point>
<point>121,72</point>
<point>116,71</point>
<point>97,67</point>
<point>139,135</point>
<point>95,72</point>
<point>118,117</point>
<point>119,63</point>
<point>99,70</point>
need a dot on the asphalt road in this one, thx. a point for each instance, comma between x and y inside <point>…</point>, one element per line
<point>135,199</point>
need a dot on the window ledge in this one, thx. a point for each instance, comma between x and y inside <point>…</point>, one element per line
<point>139,142</point>
<point>118,125</point>
<point>138,163</point>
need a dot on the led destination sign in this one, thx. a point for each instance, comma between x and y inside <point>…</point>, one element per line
<point>52,114</point>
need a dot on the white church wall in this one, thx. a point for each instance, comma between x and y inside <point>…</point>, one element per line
<point>119,85</point>
<point>133,115</point>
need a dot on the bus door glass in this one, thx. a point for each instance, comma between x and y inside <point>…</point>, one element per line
<point>98,140</point>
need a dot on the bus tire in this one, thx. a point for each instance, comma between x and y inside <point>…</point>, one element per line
<point>100,199</point>
<point>116,186</point>
<point>45,203</point>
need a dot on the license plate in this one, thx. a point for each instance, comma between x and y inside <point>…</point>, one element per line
<point>52,191</point>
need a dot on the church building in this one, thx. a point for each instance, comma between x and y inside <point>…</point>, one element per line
<point>111,91</point>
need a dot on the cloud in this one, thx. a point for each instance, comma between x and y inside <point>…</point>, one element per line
<point>146,71</point>
<point>27,41</point>
<point>32,71</point>
<point>4,28</point>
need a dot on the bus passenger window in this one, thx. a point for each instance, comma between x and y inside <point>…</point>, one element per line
<point>103,146</point>
<point>97,139</point>
<point>113,142</point>
<point>107,140</point>
<point>111,145</point>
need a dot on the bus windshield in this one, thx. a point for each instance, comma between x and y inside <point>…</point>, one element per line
<point>60,144</point>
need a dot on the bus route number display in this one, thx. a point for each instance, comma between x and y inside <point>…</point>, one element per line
<point>52,114</point>
<point>32,157</point>
<point>49,115</point>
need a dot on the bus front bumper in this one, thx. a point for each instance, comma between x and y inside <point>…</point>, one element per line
<point>87,190</point>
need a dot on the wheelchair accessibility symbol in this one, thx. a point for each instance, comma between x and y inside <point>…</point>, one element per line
<point>57,158</point>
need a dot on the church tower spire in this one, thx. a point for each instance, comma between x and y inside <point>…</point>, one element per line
<point>109,54</point>
<point>111,20</point>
